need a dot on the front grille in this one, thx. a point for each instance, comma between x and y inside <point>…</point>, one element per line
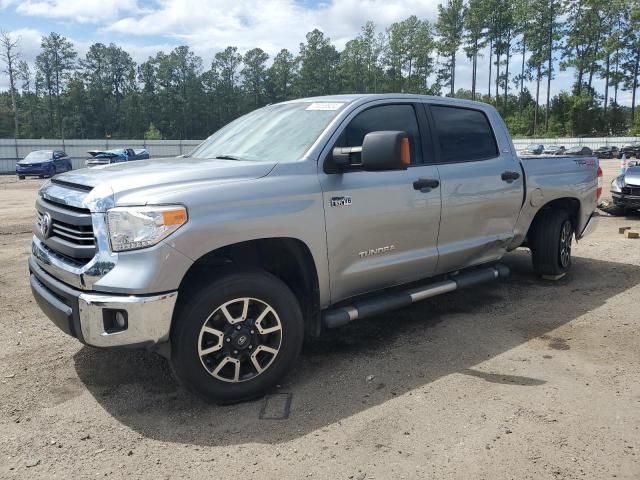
<point>70,234</point>
<point>631,191</point>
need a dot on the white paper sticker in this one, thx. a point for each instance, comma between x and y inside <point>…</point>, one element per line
<point>324,106</point>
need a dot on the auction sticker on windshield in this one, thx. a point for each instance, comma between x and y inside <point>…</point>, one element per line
<point>324,106</point>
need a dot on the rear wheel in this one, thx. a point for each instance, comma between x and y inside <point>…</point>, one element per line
<point>20,177</point>
<point>235,338</point>
<point>551,242</point>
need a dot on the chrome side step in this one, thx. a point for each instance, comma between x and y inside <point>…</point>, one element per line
<point>391,301</point>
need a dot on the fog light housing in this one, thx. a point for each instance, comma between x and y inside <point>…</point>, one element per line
<point>115,320</point>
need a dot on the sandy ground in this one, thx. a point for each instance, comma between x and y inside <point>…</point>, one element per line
<point>522,379</point>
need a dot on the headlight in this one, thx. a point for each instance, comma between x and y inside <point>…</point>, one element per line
<point>617,184</point>
<point>131,228</point>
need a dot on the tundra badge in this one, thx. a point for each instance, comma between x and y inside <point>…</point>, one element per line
<point>377,251</point>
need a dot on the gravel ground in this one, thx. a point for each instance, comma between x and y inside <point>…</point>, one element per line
<point>520,379</point>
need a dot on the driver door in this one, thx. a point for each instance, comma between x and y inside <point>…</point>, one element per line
<point>381,229</point>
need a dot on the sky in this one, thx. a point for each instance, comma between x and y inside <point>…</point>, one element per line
<point>143,27</point>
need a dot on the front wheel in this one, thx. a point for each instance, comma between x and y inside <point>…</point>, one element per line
<point>551,242</point>
<point>235,338</point>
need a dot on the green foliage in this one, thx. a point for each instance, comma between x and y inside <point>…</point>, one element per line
<point>152,133</point>
<point>105,93</point>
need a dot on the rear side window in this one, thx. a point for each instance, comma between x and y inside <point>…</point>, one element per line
<point>384,117</point>
<point>463,134</point>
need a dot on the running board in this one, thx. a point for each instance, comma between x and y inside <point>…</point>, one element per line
<point>391,301</point>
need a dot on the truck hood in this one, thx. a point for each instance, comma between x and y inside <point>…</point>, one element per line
<point>143,174</point>
<point>632,176</point>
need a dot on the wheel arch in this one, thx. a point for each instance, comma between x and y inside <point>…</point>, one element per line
<point>289,259</point>
<point>570,204</point>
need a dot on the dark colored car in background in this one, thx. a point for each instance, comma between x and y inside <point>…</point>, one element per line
<point>43,163</point>
<point>554,150</point>
<point>117,155</point>
<point>630,150</point>
<point>533,149</point>
<point>607,152</point>
<point>579,151</point>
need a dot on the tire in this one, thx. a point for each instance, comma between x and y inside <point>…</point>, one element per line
<point>215,354</point>
<point>20,177</point>
<point>551,242</point>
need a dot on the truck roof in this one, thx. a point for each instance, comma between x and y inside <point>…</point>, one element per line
<point>368,97</point>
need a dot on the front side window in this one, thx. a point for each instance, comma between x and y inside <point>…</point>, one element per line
<point>464,134</point>
<point>385,117</point>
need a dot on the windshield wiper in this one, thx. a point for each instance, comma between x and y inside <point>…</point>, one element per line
<point>229,157</point>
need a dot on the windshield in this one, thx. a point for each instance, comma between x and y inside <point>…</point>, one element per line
<point>39,155</point>
<point>533,146</point>
<point>553,147</point>
<point>281,133</point>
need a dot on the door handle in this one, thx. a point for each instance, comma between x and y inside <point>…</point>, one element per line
<point>426,184</point>
<point>509,176</point>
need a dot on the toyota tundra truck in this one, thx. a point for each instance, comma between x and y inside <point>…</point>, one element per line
<point>297,217</point>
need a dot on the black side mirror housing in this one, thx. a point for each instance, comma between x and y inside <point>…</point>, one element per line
<point>385,150</point>
<point>382,150</point>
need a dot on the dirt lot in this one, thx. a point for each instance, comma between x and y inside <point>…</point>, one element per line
<point>521,379</point>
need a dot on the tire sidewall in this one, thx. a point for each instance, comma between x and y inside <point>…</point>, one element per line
<point>185,335</point>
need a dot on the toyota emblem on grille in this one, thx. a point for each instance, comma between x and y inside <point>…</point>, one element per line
<point>45,225</point>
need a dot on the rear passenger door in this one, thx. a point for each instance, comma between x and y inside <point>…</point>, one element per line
<point>481,186</point>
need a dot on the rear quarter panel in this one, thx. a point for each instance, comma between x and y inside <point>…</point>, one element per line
<point>549,178</point>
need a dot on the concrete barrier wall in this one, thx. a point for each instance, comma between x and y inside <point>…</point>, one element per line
<point>592,143</point>
<point>12,150</point>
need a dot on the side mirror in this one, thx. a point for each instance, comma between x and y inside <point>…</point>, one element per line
<point>383,150</point>
<point>386,150</point>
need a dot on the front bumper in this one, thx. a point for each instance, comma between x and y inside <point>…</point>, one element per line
<point>85,315</point>
<point>39,169</point>
<point>626,201</point>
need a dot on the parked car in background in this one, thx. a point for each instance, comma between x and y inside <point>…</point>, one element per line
<point>579,151</point>
<point>630,150</point>
<point>607,152</point>
<point>43,163</point>
<point>625,191</point>
<point>117,155</point>
<point>554,150</point>
<point>533,149</point>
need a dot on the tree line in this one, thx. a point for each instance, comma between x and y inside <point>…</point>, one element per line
<point>174,95</point>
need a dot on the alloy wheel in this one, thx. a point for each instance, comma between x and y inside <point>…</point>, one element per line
<point>240,340</point>
<point>565,244</point>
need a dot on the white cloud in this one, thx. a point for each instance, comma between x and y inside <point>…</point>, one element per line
<point>270,24</point>
<point>208,26</point>
<point>83,11</point>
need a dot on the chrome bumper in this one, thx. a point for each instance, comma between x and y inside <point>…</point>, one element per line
<point>84,315</point>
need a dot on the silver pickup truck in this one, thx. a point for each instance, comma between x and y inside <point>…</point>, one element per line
<point>299,216</point>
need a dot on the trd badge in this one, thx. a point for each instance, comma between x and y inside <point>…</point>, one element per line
<point>341,201</point>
